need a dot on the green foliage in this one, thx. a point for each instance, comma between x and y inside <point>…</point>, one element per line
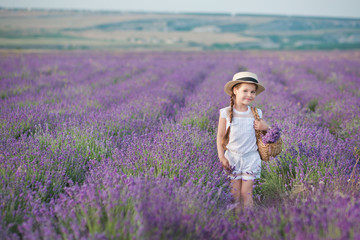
<point>77,149</point>
<point>20,128</point>
<point>31,171</point>
<point>13,92</point>
<point>276,178</point>
<point>97,217</point>
<point>104,221</point>
<point>335,126</point>
<point>85,146</point>
<point>281,176</point>
<point>312,104</point>
<point>11,210</point>
<point>28,104</point>
<point>89,145</point>
<point>94,103</point>
<point>203,123</point>
<point>3,94</point>
<point>116,80</point>
<point>52,99</point>
<point>233,27</point>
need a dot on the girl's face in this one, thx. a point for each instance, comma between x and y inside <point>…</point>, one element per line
<point>245,93</point>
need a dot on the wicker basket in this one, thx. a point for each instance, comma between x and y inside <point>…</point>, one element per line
<point>266,150</point>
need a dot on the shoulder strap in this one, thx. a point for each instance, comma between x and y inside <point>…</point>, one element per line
<point>255,113</point>
<point>256,116</point>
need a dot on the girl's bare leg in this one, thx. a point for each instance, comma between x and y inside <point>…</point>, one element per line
<point>247,193</point>
<point>235,189</point>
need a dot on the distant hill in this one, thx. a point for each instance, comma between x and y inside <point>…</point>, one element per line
<point>54,29</point>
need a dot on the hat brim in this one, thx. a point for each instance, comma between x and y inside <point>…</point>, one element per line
<point>229,85</point>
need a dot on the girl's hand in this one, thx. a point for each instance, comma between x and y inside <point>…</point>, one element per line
<point>225,163</point>
<point>261,125</point>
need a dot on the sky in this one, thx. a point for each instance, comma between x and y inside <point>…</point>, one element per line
<point>321,8</point>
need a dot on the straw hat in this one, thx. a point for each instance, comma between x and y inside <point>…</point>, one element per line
<point>243,77</point>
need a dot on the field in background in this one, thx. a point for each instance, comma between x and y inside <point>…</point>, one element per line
<point>53,29</point>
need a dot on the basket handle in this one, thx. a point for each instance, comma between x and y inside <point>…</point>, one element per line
<point>255,113</point>
<point>256,116</point>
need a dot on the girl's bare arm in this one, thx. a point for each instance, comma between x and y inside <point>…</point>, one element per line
<point>220,135</point>
<point>261,125</point>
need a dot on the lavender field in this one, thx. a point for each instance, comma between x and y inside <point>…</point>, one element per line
<point>102,145</point>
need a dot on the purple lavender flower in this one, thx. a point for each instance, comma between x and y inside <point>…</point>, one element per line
<point>272,135</point>
<point>85,140</point>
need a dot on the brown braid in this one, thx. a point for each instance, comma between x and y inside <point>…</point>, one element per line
<point>225,140</point>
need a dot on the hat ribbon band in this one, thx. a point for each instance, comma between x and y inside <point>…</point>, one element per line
<point>248,79</point>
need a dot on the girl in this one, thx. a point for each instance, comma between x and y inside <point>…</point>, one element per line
<point>236,135</point>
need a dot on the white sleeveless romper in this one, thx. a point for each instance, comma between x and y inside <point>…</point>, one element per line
<point>242,149</point>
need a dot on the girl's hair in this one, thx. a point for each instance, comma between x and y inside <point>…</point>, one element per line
<point>225,140</point>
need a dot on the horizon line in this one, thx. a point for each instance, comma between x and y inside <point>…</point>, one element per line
<point>178,12</point>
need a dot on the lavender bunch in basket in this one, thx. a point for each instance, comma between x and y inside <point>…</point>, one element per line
<point>272,135</point>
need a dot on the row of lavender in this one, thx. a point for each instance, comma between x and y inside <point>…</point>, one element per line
<point>123,145</point>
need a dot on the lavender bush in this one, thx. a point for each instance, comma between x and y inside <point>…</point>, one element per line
<point>100,145</point>
<point>272,135</point>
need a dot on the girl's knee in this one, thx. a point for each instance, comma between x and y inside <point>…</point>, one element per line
<point>246,194</point>
<point>236,193</point>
